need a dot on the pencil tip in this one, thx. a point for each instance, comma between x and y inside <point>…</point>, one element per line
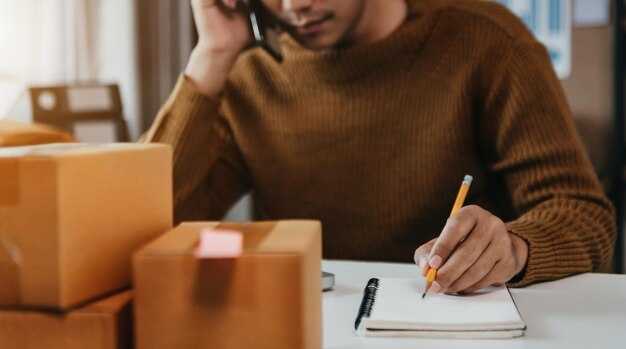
<point>423,295</point>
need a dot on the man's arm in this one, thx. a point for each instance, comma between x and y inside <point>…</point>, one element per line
<point>209,172</point>
<point>566,225</point>
<point>531,141</point>
<point>223,34</point>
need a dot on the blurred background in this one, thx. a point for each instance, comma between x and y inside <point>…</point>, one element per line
<point>100,69</point>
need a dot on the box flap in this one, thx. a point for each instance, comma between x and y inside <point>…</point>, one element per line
<point>109,305</point>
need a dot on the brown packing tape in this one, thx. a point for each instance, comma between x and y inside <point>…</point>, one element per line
<point>9,182</point>
<point>9,273</point>
<point>215,276</point>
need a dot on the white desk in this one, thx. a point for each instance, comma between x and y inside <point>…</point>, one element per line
<point>584,311</point>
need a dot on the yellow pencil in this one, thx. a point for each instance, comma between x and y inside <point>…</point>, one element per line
<point>458,203</point>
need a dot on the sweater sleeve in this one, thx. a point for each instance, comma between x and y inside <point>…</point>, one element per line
<point>531,141</point>
<point>209,173</point>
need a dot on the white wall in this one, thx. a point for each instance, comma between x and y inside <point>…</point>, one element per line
<point>115,62</point>
<point>117,58</point>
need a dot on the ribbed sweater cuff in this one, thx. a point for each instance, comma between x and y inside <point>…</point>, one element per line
<point>185,88</point>
<point>188,104</point>
<point>542,261</point>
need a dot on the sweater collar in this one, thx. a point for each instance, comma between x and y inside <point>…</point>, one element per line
<point>302,64</point>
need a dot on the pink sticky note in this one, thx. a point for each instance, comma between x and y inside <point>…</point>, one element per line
<point>220,243</point>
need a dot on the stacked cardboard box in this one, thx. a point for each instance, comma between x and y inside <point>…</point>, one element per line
<point>269,297</point>
<point>104,324</point>
<point>71,215</point>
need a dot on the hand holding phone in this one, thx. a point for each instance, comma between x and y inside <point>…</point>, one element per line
<point>222,27</point>
<point>225,29</point>
<point>223,33</point>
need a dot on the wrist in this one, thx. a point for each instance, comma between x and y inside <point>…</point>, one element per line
<point>206,50</point>
<point>520,250</point>
<point>209,70</point>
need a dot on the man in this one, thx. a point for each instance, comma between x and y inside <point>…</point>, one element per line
<point>377,112</point>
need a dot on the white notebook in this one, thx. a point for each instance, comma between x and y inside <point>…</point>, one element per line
<point>395,308</point>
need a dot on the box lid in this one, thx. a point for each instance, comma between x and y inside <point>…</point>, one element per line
<point>57,150</point>
<point>271,237</point>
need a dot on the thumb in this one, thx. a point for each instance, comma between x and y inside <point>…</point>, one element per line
<point>421,256</point>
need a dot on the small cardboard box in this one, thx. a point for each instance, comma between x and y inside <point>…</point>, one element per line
<point>15,133</point>
<point>105,324</point>
<point>72,215</point>
<point>269,297</point>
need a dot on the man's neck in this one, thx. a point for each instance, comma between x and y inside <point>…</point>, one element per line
<point>380,19</point>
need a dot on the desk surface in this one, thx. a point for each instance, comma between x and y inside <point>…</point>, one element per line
<point>583,311</point>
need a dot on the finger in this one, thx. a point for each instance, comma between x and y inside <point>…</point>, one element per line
<point>421,256</point>
<point>470,250</point>
<point>232,4</point>
<point>497,276</point>
<point>456,229</point>
<point>477,271</point>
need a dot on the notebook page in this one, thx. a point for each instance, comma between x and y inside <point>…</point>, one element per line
<point>399,305</point>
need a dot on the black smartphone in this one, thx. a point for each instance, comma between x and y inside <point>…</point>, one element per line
<point>265,30</point>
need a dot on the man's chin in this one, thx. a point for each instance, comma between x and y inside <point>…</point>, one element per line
<point>316,42</point>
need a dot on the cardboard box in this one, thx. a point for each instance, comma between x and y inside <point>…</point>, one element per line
<point>269,297</point>
<point>72,215</point>
<point>15,133</point>
<point>105,324</point>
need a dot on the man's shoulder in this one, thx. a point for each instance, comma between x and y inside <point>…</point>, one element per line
<point>255,63</point>
<point>484,16</point>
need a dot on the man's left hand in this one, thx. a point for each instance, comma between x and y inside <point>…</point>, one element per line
<point>474,250</point>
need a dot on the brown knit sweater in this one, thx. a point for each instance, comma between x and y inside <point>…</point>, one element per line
<point>375,140</point>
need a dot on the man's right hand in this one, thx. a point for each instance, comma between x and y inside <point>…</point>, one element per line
<point>223,32</point>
